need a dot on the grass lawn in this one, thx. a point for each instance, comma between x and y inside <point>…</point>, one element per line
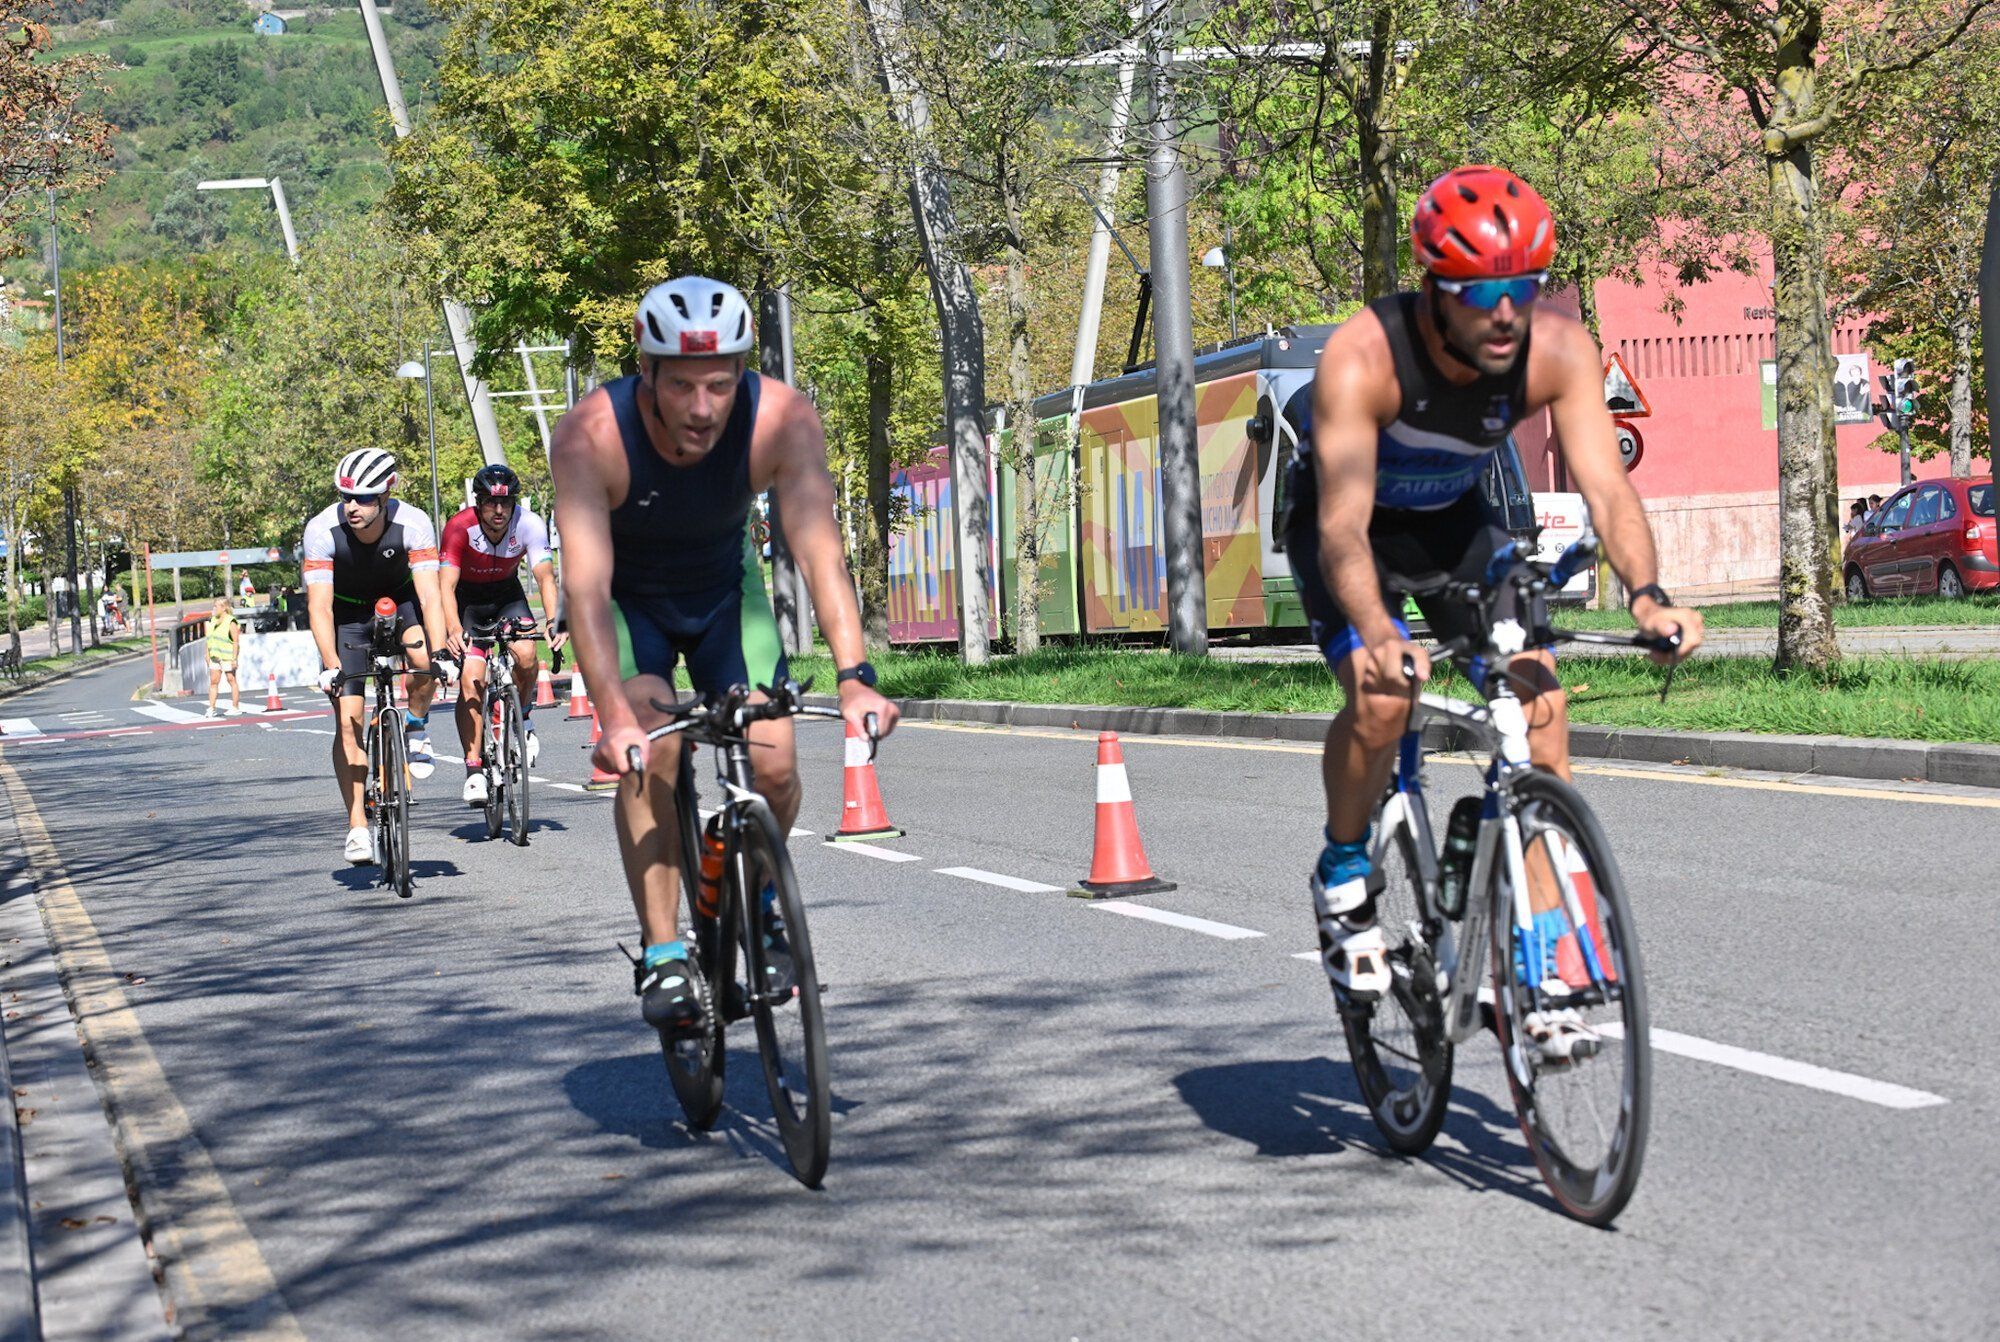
<point>1885,697</point>
<point>1876,613</point>
<point>42,666</point>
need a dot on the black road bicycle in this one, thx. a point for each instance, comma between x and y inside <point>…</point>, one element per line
<point>386,790</point>
<point>503,730</point>
<point>722,916</point>
<point>1586,1105</point>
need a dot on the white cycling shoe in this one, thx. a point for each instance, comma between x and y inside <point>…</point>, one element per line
<point>1561,1035</point>
<point>423,763</point>
<point>534,746</point>
<point>1356,957</point>
<point>475,789</point>
<point>360,847</point>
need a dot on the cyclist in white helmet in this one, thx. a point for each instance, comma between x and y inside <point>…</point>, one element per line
<point>365,547</point>
<point>655,476</point>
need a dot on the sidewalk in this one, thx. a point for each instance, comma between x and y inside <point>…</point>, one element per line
<point>35,637</point>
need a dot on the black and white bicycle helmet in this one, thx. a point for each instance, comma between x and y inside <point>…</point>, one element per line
<point>693,315</point>
<point>365,471</point>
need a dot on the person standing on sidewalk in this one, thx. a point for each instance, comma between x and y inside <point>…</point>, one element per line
<point>225,643</point>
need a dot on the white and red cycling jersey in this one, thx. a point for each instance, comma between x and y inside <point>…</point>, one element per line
<point>481,562</point>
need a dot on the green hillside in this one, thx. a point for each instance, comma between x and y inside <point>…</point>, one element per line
<point>194,97</point>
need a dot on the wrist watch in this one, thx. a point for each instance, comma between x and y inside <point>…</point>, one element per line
<point>861,671</point>
<point>1651,589</point>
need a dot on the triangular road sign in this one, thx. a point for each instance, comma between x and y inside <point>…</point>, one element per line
<point>1622,396</point>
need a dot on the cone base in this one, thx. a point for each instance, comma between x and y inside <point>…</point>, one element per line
<point>1150,885</point>
<point>864,835</point>
<point>604,784</point>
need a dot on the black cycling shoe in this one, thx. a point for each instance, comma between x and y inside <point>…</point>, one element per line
<point>779,974</point>
<point>673,997</point>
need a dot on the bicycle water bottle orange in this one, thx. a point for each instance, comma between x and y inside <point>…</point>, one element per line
<point>707,895</point>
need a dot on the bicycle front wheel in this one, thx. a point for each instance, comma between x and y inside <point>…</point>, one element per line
<point>493,764</point>
<point>1402,1057</point>
<point>1586,1118</point>
<point>696,1067</point>
<point>791,1031</point>
<point>516,758</point>
<point>395,814</point>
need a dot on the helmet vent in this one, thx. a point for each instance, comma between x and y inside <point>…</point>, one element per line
<point>680,306</point>
<point>653,324</point>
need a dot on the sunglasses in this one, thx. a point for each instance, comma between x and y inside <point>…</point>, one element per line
<point>1485,295</point>
<point>366,500</point>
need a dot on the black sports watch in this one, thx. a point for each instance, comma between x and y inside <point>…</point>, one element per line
<point>861,671</point>
<point>1651,589</point>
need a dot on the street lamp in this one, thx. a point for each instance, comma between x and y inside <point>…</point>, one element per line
<point>1217,258</point>
<point>277,189</point>
<point>421,368</point>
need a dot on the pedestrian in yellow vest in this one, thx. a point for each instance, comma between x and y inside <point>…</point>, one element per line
<point>224,640</point>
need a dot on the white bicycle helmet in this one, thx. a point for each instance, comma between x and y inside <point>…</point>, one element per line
<point>693,315</point>
<point>365,471</point>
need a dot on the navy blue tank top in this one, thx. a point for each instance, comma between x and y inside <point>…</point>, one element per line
<point>680,529</point>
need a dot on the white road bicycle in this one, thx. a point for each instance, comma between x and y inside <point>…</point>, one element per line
<point>1533,841</point>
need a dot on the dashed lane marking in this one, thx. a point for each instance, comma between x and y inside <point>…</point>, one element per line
<point>1224,931</point>
<point>1885,1093</point>
<point>870,850</point>
<point>168,713</point>
<point>19,728</point>
<point>215,1274</point>
<point>1004,882</point>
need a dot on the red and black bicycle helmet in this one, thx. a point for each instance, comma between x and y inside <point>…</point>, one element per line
<point>1481,223</point>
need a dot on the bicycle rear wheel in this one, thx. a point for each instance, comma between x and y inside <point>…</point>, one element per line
<point>695,1067</point>
<point>395,786</point>
<point>1401,1055</point>
<point>791,1031</point>
<point>516,760</point>
<point>1585,1121</point>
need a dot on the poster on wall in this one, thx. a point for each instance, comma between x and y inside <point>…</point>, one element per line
<point>1851,397</point>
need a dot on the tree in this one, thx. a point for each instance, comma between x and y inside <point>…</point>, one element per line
<point>49,139</point>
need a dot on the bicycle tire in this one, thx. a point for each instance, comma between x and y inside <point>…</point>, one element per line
<point>794,1057</point>
<point>696,1067</point>
<point>516,761</point>
<point>396,813</point>
<point>1592,1187</point>
<point>496,805</point>
<point>1408,1093</point>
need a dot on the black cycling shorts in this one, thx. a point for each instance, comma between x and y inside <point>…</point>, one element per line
<point>1454,541</point>
<point>353,641</point>
<point>493,604</point>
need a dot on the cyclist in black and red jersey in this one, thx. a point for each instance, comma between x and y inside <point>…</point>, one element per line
<point>479,561</point>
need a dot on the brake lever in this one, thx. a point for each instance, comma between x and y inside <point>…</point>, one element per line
<point>871,727</point>
<point>638,766</point>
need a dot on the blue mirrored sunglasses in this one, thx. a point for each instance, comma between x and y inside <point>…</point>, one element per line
<point>1486,294</point>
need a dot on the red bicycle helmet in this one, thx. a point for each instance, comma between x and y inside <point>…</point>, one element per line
<point>1480,223</point>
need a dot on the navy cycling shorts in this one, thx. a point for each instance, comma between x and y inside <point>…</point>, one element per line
<point>727,636</point>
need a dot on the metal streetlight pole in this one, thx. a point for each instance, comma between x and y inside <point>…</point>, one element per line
<point>411,368</point>
<point>69,490</point>
<point>277,190</point>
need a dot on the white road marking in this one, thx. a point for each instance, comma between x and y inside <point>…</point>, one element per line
<point>798,833</point>
<point>1885,1093</point>
<point>129,731</point>
<point>168,713</point>
<point>870,850</point>
<point>1004,882</point>
<point>1306,955</point>
<point>19,728</point>
<point>1182,920</point>
<point>568,787</point>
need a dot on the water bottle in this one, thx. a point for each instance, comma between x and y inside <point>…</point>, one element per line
<point>1461,841</point>
<point>707,894</point>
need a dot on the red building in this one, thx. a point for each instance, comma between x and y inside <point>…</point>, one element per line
<point>1709,473</point>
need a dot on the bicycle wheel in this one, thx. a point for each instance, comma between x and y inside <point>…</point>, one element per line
<point>1586,1120</point>
<point>395,784</point>
<point>516,762</point>
<point>1402,1058</point>
<point>491,764</point>
<point>696,1066</point>
<point>791,1032</point>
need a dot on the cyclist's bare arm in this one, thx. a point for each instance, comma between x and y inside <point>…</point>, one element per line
<point>319,616</point>
<point>584,453</point>
<point>545,583</point>
<point>430,605</point>
<point>454,632</point>
<point>1567,374</point>
<point>1354,395</point>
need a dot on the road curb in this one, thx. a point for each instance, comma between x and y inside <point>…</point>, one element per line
<point>12,688</point>
<point>20,1319</point>
<point>1953,762</point>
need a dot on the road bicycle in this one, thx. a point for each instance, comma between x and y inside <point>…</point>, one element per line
<point>726,864</point>
<point>504,732</point>
<point>1585,1115</point>
<point>386,790</point>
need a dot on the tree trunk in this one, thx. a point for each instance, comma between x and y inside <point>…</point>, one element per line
<point>875,535</point>
<point>13,580</point>
<point>1805,404</point>
<point>1376,147</point>
<point>88,576</point>
<point>1961,394</point>
<point>1021,427</point>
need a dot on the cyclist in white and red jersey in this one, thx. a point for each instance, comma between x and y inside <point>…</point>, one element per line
<point>363,548</point>
<point>480,560</point>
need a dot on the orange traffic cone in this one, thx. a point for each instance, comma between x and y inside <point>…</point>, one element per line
<point>600,780</point>
<point>862,815</point>
<point>1118,866</point>
<point>545,688</point>
<point>272,703</point>
<point>579,697</point>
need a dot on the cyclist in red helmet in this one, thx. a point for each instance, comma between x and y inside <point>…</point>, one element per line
<point>1411,399</point>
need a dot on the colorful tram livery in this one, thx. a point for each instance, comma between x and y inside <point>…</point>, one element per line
<point>1103,562</point>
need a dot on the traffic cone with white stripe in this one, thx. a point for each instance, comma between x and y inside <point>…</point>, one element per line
<point>601,780</point>
<point>579,697</point>
<point>272,703</point>
<point>545,687</point>
<point>862,815</point>
<point>1118,865</point>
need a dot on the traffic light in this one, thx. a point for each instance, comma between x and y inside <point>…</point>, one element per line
<point>1903,400</point>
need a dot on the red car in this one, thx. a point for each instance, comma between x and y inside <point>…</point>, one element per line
<point>1935,536</point>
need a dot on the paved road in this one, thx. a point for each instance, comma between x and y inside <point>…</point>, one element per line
<point>441,1118</point>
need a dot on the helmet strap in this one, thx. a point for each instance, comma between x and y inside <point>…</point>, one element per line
<point>1451,347</point>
